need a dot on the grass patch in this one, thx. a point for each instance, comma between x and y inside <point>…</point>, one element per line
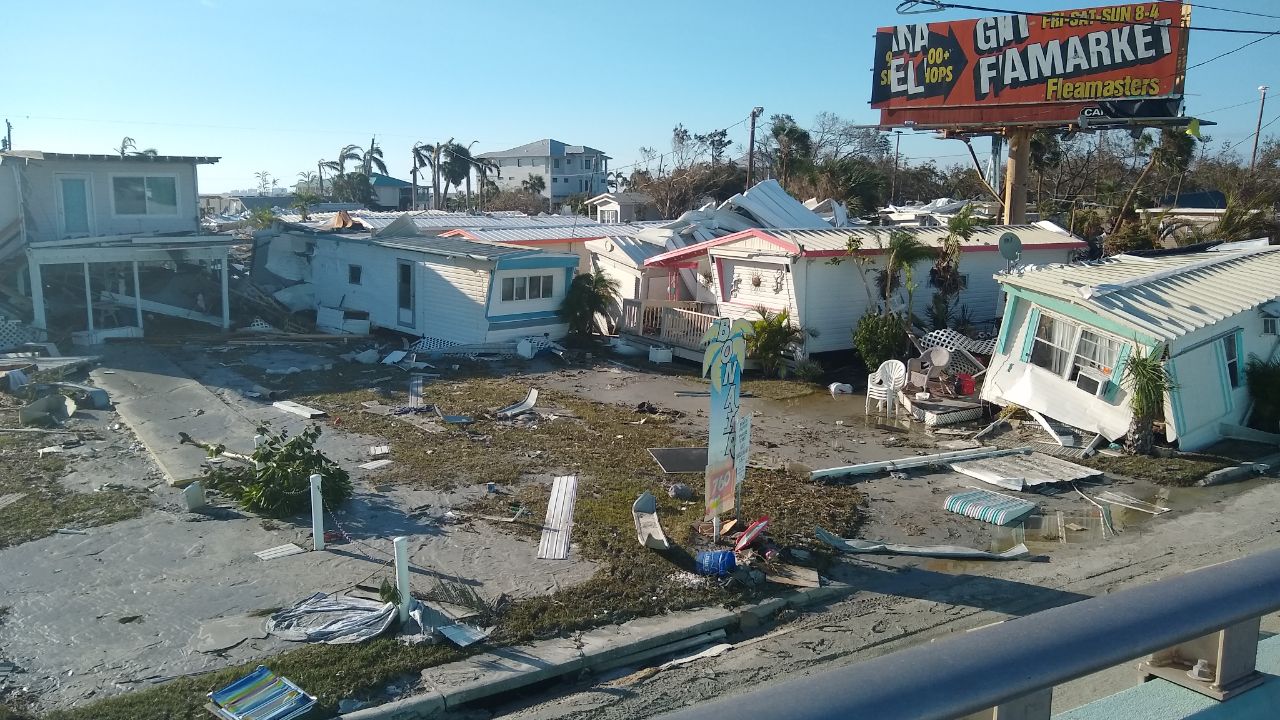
<point>48,505</point>
<point>1175,471</point>
<point>597,442</point>
<point>775,389</point>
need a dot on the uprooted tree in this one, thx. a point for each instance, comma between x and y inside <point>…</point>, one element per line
<point>278,484</point>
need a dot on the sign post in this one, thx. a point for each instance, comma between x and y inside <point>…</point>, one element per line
<point>722,364</point>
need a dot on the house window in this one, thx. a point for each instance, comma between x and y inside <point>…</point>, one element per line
<point>555,179</point>
<point>517,162</point>
<point>1269,326</point>
<point>144,195</point>
<point>528,288</point>
<point>404,288</point>
<point>557,162</point>
<point>586,163</point>
<point>1064,349</point>
<point>1232,352</point>
<point>353,274</point>
<point>608,216</point>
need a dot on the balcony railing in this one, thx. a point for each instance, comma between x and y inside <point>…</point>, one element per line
<point>668,322</point>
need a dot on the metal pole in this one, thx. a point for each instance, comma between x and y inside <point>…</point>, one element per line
<point>401,545</point>
<point>226,293</point>
<point>37,294</point>
<point>317,514</point>
<point>1015,184</point>
<point>893,182</point>
<point>751,146</point>
<point>137,294</point>
<point>1258,131</point>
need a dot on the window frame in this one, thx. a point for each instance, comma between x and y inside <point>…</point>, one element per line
<point>1231,354</point>
<point>356,272</point>
<point>1270,326</point>
<point>1074,361</point>
<point>177,195</point>
<point>519,288</point>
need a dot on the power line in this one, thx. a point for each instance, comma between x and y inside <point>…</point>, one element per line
<point>1229,107</point>
<point>1219,56</point>
<point>1237,12</point>
<point>1062,16</point>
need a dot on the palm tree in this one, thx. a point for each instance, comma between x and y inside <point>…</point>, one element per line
<point>264,181</point>
<point>427,154</point>
<point>126,145</point>
<point>589,294</point>
<point>774,334</point>
<point>320,165</point>
<point>1244,219</point>
<point>1173,153</point>
<point>349,153</point>
<point>129,148</point>
<point>372,158</point>
<point>1148,382</point>
<point>306,181</point>
<point>534,185</point>
<point>418,158</point>
<point>902,254</point>
<point>483,167</point>
<point>455,167</point>
<point>616,181</point>
<point>471,163</point>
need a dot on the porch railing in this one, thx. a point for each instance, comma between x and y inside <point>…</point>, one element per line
<point>671,322</point>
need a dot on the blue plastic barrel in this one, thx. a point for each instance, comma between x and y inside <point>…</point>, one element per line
<point>716,562</point>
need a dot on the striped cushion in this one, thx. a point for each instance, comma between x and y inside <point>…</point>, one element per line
<point>261,695</point>
<point>989,506</point>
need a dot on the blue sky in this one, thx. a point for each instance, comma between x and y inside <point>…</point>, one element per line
<point>278,84</point>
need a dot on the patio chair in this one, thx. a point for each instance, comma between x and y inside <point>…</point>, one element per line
<point>883,385</point>
<point>260,695</point>
<point>926,372</point>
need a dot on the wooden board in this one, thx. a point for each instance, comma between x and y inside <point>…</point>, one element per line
<point>294,408</point>
<point>376,464</point>
<point>279,552</point>
<point>793,575</point>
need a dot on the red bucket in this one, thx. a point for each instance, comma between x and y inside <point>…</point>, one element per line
<point>966,383</point>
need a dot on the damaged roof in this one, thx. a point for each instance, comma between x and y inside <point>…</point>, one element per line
<point>1165,296</point>
<point>110,157</point>
<point>633,247</point>
<point>588,230</point>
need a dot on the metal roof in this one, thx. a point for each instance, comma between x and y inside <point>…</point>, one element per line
<point>582,231</point>
<point>1167,296</point>
<point>388,181</point>
<point>110,157</point>
<point>837,239</point>
<point>636,249</point>
<point>452,247</point>
<point>542,148</point>
<point>622,198</point>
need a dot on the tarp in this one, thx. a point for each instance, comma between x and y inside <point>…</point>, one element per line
<point>332,620</point>
<point>850,545</point>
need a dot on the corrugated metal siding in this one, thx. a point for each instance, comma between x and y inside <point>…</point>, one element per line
<point>451,300</point>
<point>872,238</point>
<point>834,300</point>
<point>586,230</point>
<point>774,291</point>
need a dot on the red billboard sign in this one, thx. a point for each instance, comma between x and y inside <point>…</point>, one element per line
<point>1050,66</point>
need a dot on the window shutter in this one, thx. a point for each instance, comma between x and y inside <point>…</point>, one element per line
<point>1029,337</point>
<point>1117,373</point>
<point>1224,377</point>
<point>1006,324</point>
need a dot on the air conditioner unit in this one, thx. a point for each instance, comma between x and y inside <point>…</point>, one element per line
<point>1092,382</point>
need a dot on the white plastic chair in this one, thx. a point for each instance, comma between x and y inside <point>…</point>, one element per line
<point>926,371</point>
<point>883,385</point>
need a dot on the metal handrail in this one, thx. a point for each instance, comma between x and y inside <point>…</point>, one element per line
<point>970,672</point>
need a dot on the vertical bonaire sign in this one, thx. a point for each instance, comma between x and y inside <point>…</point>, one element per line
<point>722,364</point>
<point>1100,55</point>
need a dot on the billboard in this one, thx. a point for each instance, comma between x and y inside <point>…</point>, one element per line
<point>1052,66</point>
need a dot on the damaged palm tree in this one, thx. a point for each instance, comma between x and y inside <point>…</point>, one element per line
<point>278,485</point>
<point>1148,382</point>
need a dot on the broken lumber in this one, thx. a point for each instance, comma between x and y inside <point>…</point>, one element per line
<point>294,408</point>
<point>913,462</point>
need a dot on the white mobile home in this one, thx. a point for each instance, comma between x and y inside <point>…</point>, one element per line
<point>448,291</point>
<point>1069,330</point>
<point>621,259</point>
<point>810,274</point>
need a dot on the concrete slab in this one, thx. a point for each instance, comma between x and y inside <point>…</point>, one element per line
<point>617,641</point>
<point>225,633</point>
<point>426,705</point>
<point>158,400</point>
<point>502,670</point>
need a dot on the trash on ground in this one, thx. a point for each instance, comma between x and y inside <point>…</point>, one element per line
<point>680,460</point>
<point>1128,501</point>
<point>294,408</point>
<point>53,408</point>
<point>989,506</point>
<point>394,357</point>
<point>333,620</point>
<point>454,419</point>
<point>840,389</point>
<point>379,450</point>
<point>368,357</point>
<point>1021,472</point>
<point>71,531</point>
<point>945,458</point>
<point>716,562</point>
<point>51,450</point>
<point>222,634</point>
<point>648,529</point>
<point>376,464</point>
<point>523,406</point>
<point>795,575</point>
<point>850,545</point>
<point>462,635</point>
<point>279,551</point>
<point>193,497</point>
<point>753,533</point>
<point>680,491</point>
<point>248,697</point>
<point>87,395</point>
<point>554,544</point>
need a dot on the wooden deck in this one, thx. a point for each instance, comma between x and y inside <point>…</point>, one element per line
<point>676,324</point>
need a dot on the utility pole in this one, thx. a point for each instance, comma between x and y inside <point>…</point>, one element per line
<point>8,135</point>
<point>1261,105</point>
<point>320,175</point>
<point>756,112</point>
<point>893,182</point>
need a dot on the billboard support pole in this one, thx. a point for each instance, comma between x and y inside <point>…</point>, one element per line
<point>1015,181</point>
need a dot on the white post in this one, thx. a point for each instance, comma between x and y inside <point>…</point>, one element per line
<point>317,514</point>
<point>88,295</point>
<point>258,440</point>
<point>401,545</point>
<point>37,294</point>
<point>226,303</point>
<point>137,294</point>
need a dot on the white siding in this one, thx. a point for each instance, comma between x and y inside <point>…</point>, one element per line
<point>41,195</point>
<point>1200,377</point>
<point>736,274</point>
<point>499,307</point>
<point>834,297</point>
<point>451,299</point>
<point>553,329</point>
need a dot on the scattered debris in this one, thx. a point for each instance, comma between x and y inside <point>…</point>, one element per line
<point>852,546</point>
<point>753,533</point>
<point>680,491</point>
<point>453,419</point>
<point>51,450</point>
<point>648,529</point>
<point>376,464</point>
<point>71,531</point>
<point>279,551</point>
<point>989,506</point>
<point>680,460</point>
<point>193,497</point>
<point>379,450</point>
<point>945,458</point>
<point>840,389</point>
<point>523,406</point>
<point>462,635</point>
<point>294,408</point>
<point>1128,501</point>
<point>129,619</point>
<point>1075,527</point>
<point>245,698</point>
<point>53,408</point>
<point>368,357</point>
<point>1020,472</point>
<point>554,544</point>
<point>87,395</point>
<point>721,563</point>
<point>795,575</point>
<point>334,620</point>
<point>394,357</point>
<point>222,634</point>
<point>9,499</point>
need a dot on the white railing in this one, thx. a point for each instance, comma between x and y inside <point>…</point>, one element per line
<point>671,322</point>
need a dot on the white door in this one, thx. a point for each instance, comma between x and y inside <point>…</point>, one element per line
<point>75,216</point>
<point>406,299</point>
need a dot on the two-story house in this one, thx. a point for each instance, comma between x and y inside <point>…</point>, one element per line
<point>565,169</point>
<point>125,228</point>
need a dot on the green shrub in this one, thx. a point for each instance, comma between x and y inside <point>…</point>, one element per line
<point>809,370</point>
<point>772,335</point>
<point>1263,379</point>
<point>880,337</point>
<point>282,488</point>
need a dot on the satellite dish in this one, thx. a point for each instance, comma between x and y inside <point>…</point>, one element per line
<point>1010,247</point>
